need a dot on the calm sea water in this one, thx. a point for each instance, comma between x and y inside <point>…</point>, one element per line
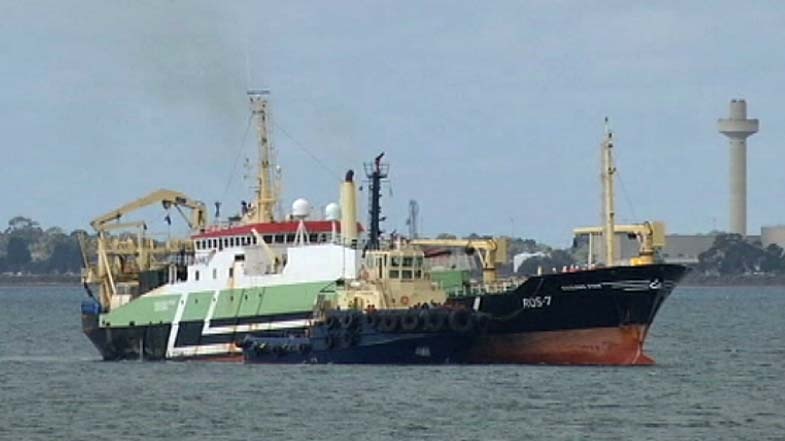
<point>720,375</point>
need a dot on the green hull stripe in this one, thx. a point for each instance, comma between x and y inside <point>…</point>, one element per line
<point>231,303</point>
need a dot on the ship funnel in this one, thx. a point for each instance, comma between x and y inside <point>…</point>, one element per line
<point>349,208</point>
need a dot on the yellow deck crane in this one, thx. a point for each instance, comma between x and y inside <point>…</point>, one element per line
<point>493,251</point>
<point>650,235</point>
<point>120,259</point>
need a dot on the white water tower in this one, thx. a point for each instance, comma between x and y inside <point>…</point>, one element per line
<point>737,127</point>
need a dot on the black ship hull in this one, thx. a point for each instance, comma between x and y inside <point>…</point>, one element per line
<point>599,316</point>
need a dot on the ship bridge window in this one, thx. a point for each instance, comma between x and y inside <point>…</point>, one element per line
<point>395,261</point>
<point>313,238</point>
<point>394,274</point>
<point>406,274</point>
<point>290,238</point>
<point>408,261</point>
<point>279,238</point>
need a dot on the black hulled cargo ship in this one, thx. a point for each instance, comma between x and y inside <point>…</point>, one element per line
<point>594,317</point>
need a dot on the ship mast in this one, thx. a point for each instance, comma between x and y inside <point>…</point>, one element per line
<point>376,172</point>
<point>609,211</point>
<point>266,195</point>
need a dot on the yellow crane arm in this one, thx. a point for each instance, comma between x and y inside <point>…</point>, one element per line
<point>651,236</point>
<point>494,251</point>
<point>167,198</point>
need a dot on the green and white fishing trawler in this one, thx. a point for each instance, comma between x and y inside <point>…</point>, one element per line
<point>256,276</point>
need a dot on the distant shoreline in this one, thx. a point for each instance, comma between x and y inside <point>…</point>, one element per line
<point>39,280</point>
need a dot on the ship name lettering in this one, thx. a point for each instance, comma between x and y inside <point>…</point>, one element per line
<point>581,287</point>
<point>163,305</point>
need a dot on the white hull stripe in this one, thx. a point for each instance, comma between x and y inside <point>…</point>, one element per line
<point>220,348</point>
<point>178,315</point>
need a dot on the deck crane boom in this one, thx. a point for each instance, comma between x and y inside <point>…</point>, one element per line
<point>494,251</point>
<point>650,235</point>
<point>121,258</point>
<point>167,198</point>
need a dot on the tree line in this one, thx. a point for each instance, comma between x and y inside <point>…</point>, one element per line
<point>27,248</point>
<point>731,254</point>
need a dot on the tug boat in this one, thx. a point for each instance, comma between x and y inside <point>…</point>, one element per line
<point>302,289</point>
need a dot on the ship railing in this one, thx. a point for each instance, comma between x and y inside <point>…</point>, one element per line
<point>497,287</point>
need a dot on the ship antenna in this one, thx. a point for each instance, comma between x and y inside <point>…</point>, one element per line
<point>266,193</point>
<point>609,211</point>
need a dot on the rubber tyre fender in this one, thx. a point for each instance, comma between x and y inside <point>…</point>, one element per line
<point>348,320</point>
<point>331,322</point>
<point>410,321</point>
<point>371,319</point>
<point>388,323</point>
<point>243,343</point>
<point>260,348</point>
<point>481,321</point>
<point>436,320</point>
<point>461,321</point>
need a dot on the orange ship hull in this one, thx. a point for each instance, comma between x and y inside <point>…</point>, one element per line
<point>621,346</point>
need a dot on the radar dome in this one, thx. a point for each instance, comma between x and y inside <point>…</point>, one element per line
<point>301,208</point>
<point>332,212</point>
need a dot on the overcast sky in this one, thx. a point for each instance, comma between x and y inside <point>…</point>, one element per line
<point>491,117</point>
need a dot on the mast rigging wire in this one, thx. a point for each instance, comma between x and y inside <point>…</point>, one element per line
<point>237,157</point>
<point>313,156</point>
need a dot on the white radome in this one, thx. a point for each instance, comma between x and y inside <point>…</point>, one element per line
<point>301,208</point>
<point>332,212</point>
